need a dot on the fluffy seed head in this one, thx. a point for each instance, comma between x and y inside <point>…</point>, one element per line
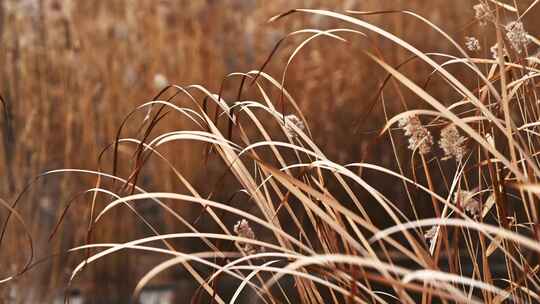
<point>431,233</point>
<point>160,81</point>
<point>483,13</point>
<point>452,143</point>
<point>517,35</point>
<point>419,137</point>
<point>292,119</point>
<point>243,229</point>
<point>472,44</point>
<point>490,140</point>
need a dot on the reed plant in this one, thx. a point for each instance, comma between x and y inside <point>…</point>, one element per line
<point>287,223</point>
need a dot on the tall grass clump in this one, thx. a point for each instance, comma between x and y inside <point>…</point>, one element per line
<point>295,226</point>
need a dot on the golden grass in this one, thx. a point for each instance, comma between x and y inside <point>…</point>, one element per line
<point>327,224</point>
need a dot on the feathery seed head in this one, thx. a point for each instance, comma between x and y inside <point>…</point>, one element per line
<point>292,119</point>
<point>452,143</point>
<point>490,140</point>
<point>419,137</point>
<point>160,81</point>
<point>517,35</point>
<point>243,229</point>
<point>483,13</point>
<point>472,43</point>
<point>431,235</point>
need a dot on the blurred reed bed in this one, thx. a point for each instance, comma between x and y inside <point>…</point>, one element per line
<point>72,70</point>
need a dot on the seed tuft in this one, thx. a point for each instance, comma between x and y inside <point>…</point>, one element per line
<point>292,119</point>
<point>419,137</point>
<point>160,81</point>
<point>483,13</point>
<point>472,44</point>
<point>243,229</point>
<point>452,143</point>
<point>517,35</point>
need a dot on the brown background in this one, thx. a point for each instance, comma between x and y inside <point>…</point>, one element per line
<point>72,70</point>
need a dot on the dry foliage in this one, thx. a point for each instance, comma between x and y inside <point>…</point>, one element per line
<point>461,227</point>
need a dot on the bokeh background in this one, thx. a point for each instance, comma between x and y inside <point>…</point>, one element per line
<point>70,72</point>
